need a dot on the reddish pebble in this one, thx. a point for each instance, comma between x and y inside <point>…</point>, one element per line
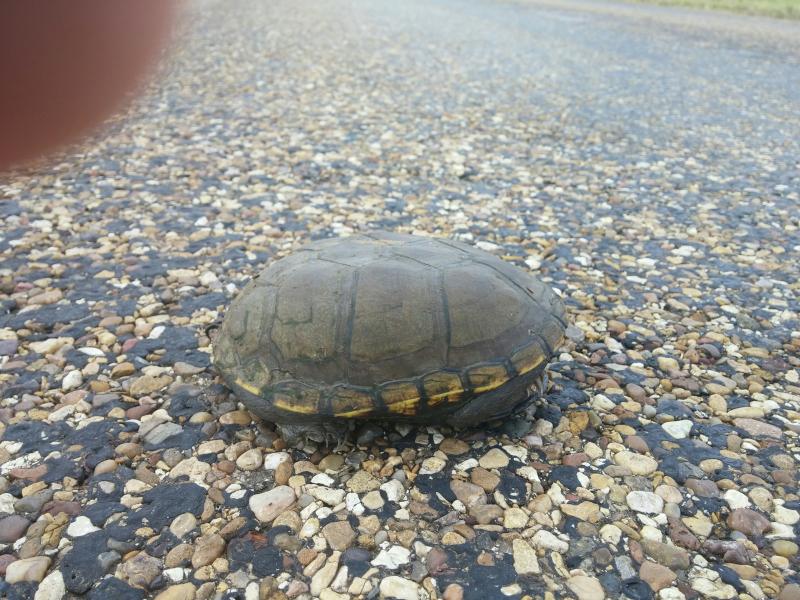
<point>137,412</point>
<point>31,474</point>
<point>5,560</point>
<point>577,459</point>
<point>58,506</point>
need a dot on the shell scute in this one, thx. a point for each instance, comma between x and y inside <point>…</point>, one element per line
<point>348,401</point>
<point>400,397</point>
<point>442,386</point>
<point>484,378</point>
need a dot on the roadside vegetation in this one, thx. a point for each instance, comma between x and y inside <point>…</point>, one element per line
<point>785,9</point>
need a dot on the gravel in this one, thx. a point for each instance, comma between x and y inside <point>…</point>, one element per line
<point>645,168</point>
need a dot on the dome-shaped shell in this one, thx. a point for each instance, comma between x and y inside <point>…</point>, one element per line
<point>384,324</point>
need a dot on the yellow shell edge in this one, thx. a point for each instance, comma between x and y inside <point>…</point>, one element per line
<point>249,387</point>
<point>281,403</point>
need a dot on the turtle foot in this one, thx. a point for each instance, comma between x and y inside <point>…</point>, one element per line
<point>327,434</point>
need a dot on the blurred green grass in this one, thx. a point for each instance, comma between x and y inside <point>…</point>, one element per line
<point>784,9</point>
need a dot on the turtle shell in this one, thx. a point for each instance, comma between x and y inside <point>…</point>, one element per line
<point>387,326</point>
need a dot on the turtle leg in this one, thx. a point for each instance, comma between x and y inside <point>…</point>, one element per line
<point>328,433</point>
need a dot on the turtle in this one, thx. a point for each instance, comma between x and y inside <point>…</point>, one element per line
<point>388,327</point>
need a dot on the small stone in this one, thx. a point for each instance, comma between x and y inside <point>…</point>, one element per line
<point>339,535</point>
<point>394,490</point>
<point>585,511</point>
<point>12,528</point>
<point>182,591</point>
<point>148,384</point>
<point>666,554</point>
<point>362,482</point>
<point>525,560</point>
<point>713,589</point>
<point>194,469</point>
<point>27,569</point>
<point>451,538</point>
<point>494,459</point>
<point>736,499</point>
<point>486,479</point>
<point>52,587</point>
<point>268,505</point>
<point>639,464</point>
<point>392,557</point>
<point>678,429</point>
<point>756,428</point>
<point>515,518</point>
<point>656,576</point>
<point>400,588</point>
<point>748,521</point>
<point>667,364</point>
<point>453,447</point>
<point>436,561</point>
<point>235,417</point>
<point>431,465</point>
<point>71,380</point>
<point>699,525</point>
<point>179,556</point>
<point>786,548</point>
<point>8,347</point>
<point>487,513</point>
<point>784,515</point>
<point>330,463</point>
<point>703,488</point>
<point>161,432</point>
<point>123,369</point>
<point>184,368</point>
<point>250,460</point>
<point>611,534</point>
<point>274,459</point>
<point>548,541</point>
<point>453,592</point>
<point>329,496</point>
<point>141,570</point>
<point>183,524</point>
<point>373,500</point>
<point>468,493</point>
<point>645,502</point>
<point>586,588</point>
<point>790,592</point>
<point>207,549</point>
<point>5,560</point>
<point>80,526</point>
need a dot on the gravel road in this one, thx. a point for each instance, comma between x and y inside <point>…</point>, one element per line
<point>644,161</point>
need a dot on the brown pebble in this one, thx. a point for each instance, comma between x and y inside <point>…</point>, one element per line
<point>436,561</point>
<point>575,460</point>
<point>680,534</point>
<point>129,449</point>
<point>453,592</point>
<point>656,576</point>
<point>283,472</point>
<point>5,560</point>
<point>31,474</point>
<point>636,551</point>
<point>748,521</point>
<point>637,444</point>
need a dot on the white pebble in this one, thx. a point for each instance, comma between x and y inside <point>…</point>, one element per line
<point>71,380</point>
<point>678,429</point>
<point>645,502</point>
<point>736,499</point>
<point>80,526</point>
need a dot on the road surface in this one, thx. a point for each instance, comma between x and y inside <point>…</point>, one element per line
<point>643,161</point>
